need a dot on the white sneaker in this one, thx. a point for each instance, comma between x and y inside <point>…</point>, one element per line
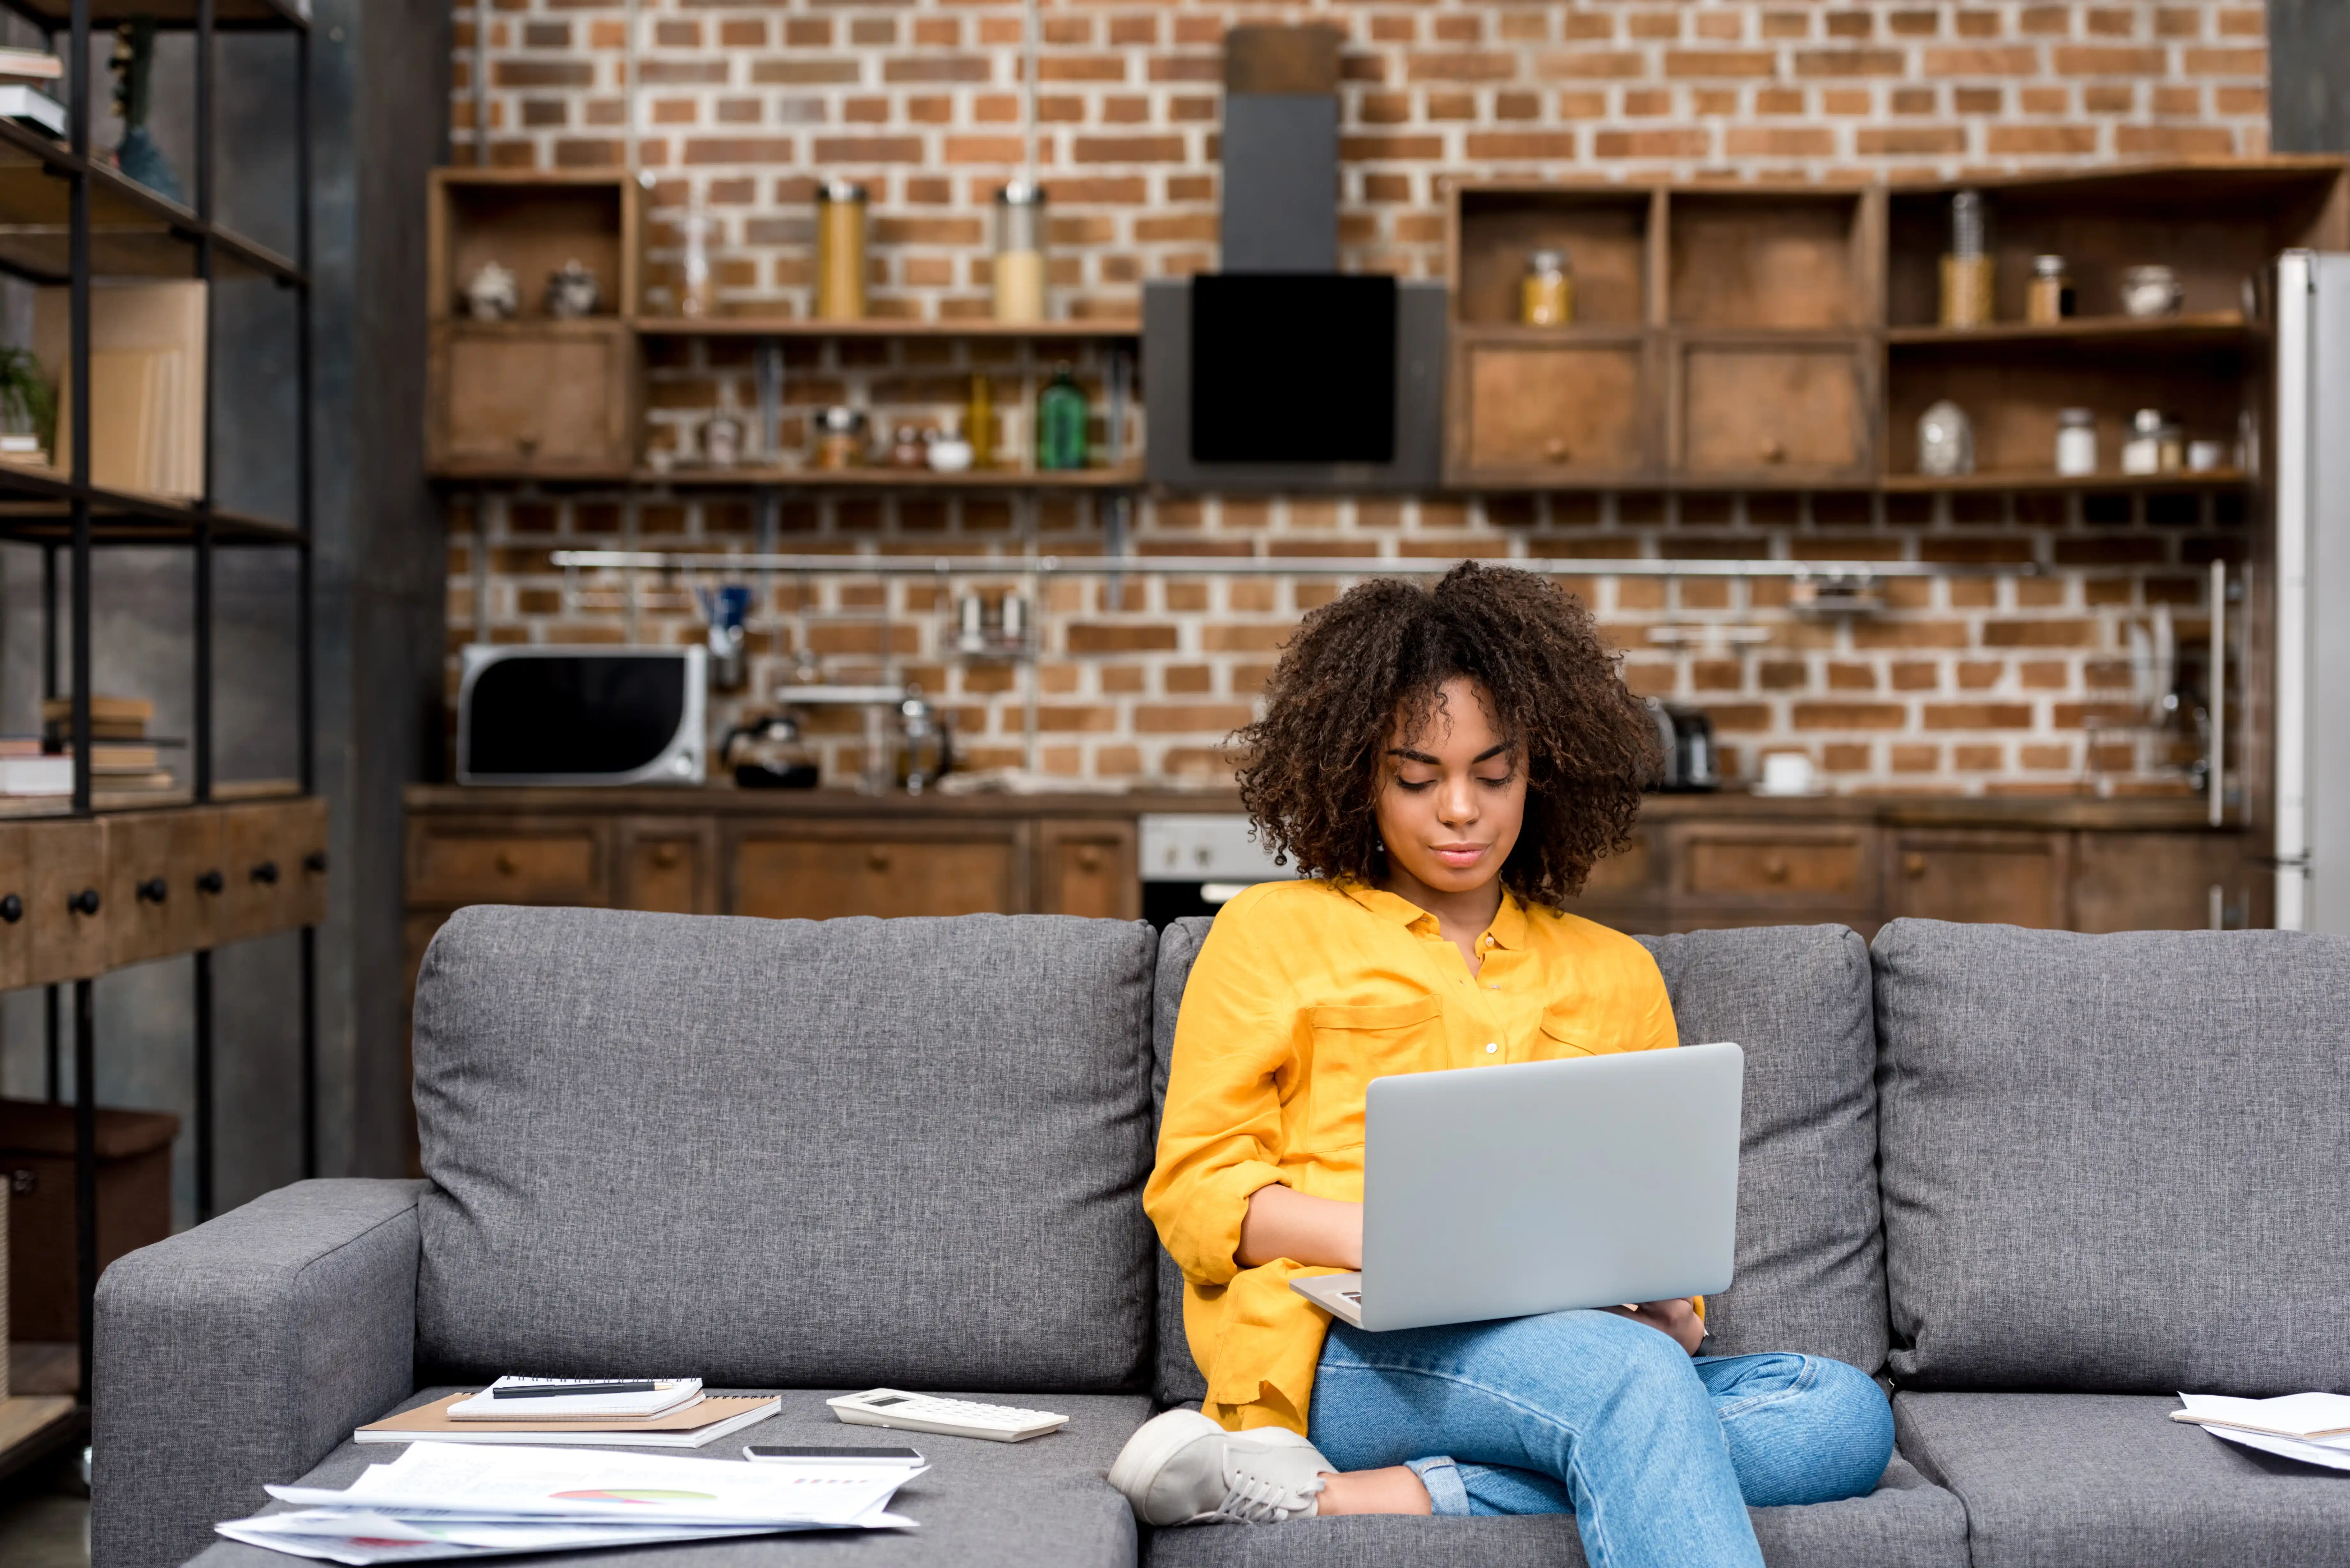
<point>1184,1469</point>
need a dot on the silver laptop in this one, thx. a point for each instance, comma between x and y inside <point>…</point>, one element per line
<point>1493,1192</point>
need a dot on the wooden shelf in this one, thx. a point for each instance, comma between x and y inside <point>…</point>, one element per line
<point>35,1426</point>
<point>1123,476</point>
<point>2021,479</point>
<point>135,231</point>
<point>2200,330</point>
<point>1107,327</point>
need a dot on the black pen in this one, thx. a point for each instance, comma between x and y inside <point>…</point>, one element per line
<point>572,1390</point>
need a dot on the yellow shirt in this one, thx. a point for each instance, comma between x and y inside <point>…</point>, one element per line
<point>1303,993</point>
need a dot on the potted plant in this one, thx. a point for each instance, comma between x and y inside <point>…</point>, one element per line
<point>29,409</point>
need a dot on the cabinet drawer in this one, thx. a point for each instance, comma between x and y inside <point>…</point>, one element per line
<point>548,397</point>
<point>560,863</point>
<point>1627,874</point>
<point>667,866</point>
<point>158,866</point>
<point>1089,868</point>
<point>1775,864</point>
<point>1773,411</point>
<point>16,907</point>
<point>824,878</point>
<point>69,875</point>
<point>2014,878</point>
<point>1558,412</point>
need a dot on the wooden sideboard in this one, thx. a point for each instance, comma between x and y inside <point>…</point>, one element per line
<point>1697,861</point>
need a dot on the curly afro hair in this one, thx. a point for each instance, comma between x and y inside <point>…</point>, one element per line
<point>1385,649</point>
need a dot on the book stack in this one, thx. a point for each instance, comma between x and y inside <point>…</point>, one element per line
<point>28,79</point>
<point>651,1413</point>
<point>122,759</point>
<point>146,381</point>
<point>433,1503</point>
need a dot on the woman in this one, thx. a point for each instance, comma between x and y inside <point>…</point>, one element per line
<point>1446,765</point>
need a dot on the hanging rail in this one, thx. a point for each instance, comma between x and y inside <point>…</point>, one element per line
<point>1265,566</point>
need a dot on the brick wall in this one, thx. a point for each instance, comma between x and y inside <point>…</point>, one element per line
<point>1962,684</point>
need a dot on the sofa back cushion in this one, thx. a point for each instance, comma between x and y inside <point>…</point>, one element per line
<point>1810,1274</point>
<point>1810,1270</point>
<point>2115,1163</point>
<point>777,1153</point>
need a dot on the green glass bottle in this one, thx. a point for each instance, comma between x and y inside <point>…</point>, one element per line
<point>1061,417</point>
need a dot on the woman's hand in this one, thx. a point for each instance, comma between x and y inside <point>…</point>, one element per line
<point>1677,1319</point>
<point>1281,1222</point>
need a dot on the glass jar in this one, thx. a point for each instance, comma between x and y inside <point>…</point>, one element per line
<point>1019,265</point>
<point>1546,293</point>
<point>2143,451</point>
<point>979,423</point>
<point>924,753</point>
<point>840,251</point>
<point>2150,291</point>
<point>1946,442</point>
<point>1061,418</point>
<point>1966,268</point>
<point>2076,441</point>
<point>698,297</point>
<point>839,438</point>
<point>2049,299</point>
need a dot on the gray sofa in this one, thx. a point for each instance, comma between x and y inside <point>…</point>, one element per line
<point>2038,1180</point>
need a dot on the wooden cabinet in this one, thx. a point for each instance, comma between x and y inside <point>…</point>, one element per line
<point>1769,411</point>
<point>1536,410</point>
<point>2165,881</point>
<point>2012,879</point>
<point>552,398</point>
<point>1088,869</point>
<point>669,865</point>
<point>16,907</point>
<point>68,910</point>
<point>822,871</point>
<point>497,860</point>
<point>157,889</point>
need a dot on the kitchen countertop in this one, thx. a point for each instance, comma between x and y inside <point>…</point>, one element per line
<point>2155,812</point>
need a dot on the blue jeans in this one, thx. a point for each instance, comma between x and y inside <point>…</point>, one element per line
<point>1657,1454</point>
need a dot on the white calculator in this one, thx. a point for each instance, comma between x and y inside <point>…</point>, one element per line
<point>953,1418</point>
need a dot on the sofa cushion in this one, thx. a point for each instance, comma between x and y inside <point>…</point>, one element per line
<point>2107,1480</point>
<point>1810,1258</point>
<point>1905,1524</point>
<point>2113,1163</point>
<point>1038,1504</point>
<point>1810,1274</point>
<point>786,1152</point>
<point>1176,1378</point>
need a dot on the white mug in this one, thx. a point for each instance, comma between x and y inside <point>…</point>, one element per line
<point>1787,773</point>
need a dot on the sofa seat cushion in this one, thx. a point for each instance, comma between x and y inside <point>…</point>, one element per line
<point>1905,1524</point>
<point>2108,1480</point>
<point>786,1153</point>
<point>1043,1502</point>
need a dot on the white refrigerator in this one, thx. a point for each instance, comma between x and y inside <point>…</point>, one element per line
<point>2310,763</point>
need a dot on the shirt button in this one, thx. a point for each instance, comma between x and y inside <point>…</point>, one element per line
<point>1492,1048</point>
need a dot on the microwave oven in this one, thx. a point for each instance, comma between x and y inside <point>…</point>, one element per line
<point>581,716</point>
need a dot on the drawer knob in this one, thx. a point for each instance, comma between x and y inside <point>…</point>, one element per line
<point>879,859</point>
<point>1775,868</point>
<point>1089,858</point>
<point>210,881</point>
<point>151,891</point>
<point>82,903</point>
<point>315,863</point>
<point>1772,451</point>
<point>12,909</point>
<point>666,857</point>
<point>508,864</point>
<point>1555,450</point>
<point>1913,866</point>
<point>266,873</point>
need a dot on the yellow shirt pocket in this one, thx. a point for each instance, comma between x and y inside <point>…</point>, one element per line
<point>1566,1032</point>
<point>1352,1045</point>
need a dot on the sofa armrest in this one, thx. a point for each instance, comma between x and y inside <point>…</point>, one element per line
<point>242,1352</point>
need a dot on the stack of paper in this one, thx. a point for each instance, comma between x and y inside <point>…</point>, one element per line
<point>2312,1428</point>
<point>438,1502</point>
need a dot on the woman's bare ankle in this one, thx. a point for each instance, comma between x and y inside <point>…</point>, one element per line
<point>1395,1489</point>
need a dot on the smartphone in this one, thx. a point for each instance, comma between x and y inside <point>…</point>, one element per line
<point>758,1451</point>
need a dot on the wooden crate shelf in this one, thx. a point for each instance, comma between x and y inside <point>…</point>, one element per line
<point>1106,329</point>
<point>1786,337</point>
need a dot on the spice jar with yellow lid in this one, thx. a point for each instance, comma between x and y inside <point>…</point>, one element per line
<point>1546,292</point>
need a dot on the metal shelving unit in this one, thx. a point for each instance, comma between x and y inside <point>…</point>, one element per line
<point>66,217</point>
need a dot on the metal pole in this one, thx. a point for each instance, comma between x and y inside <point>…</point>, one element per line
<point>204,1072</point>
<point>304,632</point>
<point>86,1163</point>
<point>2215,777</point>
<point>53,1063</point>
